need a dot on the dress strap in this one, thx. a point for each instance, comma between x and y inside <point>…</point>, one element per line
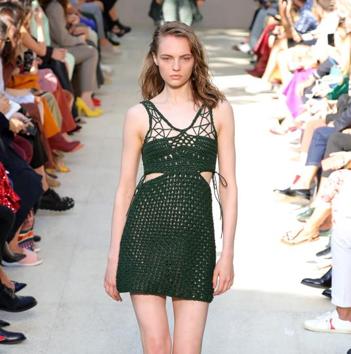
<point>224,182</point>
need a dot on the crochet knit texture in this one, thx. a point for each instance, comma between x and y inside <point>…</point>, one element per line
<point>168,244</point>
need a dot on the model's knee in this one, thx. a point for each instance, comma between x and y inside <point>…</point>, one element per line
<point>157,345</point>
<point>186,347</point>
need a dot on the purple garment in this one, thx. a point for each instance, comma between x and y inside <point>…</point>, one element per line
<point>293,99</point>
<point>88,22</point>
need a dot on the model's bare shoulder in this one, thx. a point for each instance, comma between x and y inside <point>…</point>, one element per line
<point>136,112</point>
<point>136,119</point>
<point>223,114</point>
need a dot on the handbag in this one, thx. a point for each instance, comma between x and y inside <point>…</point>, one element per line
<point>8,196</point>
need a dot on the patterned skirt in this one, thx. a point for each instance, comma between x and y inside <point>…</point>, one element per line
<point>168,244</point>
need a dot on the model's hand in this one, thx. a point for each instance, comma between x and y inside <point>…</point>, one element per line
<point>223,275</point>
<point>110,281</point>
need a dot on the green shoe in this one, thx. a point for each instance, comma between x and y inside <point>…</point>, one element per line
<point>304,215</point>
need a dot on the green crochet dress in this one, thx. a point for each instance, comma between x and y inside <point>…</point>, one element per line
<point>168,244</point>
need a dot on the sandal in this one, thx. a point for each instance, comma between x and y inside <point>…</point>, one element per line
<point>296,237</point>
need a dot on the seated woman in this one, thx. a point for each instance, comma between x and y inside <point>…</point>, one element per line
<point>9,301</point>
<point>95,9</point>
<point>320,215</point>
<point>86,56</point>
<point>292,40</point>
<point>336,196</point>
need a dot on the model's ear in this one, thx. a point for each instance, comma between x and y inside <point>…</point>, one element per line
<point>155,59</point>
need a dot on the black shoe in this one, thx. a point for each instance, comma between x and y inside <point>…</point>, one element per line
<point>327,293</point>
<point>9,256</point>
<point>324,282</point>
<point>36,238</point>
<point>324,252</point>
<point>75,130</point>
<point>4,323</point>
<point>126,29</point>
<point>305,193</point>
<point>11,302</point>
<point>52,201</point>
<point>349,351</point>
<point>19,286</point>
<point>113,38</point>
<point>7,337</point>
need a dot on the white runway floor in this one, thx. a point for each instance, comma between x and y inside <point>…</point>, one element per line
<point>264,311</point>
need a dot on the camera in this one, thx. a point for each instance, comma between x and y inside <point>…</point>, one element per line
<point>28,59</point>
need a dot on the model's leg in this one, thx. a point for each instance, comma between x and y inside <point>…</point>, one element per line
<point>151,314</point>
<point>189,325</point>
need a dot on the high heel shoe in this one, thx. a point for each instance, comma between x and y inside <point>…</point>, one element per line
<point>58,142</point>
<point>84,109</point>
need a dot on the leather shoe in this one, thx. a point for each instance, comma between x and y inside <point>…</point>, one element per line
<point>324,282</point>
<point>36,238</point>
<point>295,192</point>
<point>11,302</point>
<point>323,252</point>
<point>9,256</point>
<point>4,323</point>
<point>7,337</point>
<point>19,286</point>
<point>327,293</point>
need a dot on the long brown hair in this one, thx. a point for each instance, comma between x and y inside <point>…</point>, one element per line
<point>151,82</point>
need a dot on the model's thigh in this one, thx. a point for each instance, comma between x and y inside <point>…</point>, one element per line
<point>189,325</point>
<point>152,319</point>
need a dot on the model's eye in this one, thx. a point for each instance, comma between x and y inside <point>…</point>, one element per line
<point>187,58</point>
<point>166,58</point>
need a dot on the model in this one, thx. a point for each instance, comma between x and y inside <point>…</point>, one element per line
<point>163,241</point>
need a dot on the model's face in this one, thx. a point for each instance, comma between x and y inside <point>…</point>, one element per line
<point>174,60</point>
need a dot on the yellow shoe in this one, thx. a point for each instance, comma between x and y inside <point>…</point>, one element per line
<point>84,109</point>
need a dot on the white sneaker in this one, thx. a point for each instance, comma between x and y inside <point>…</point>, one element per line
<point>328,322</point>
<point>106,68</point>
<point>244,47</point>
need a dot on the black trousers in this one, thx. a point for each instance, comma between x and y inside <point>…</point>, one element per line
<point>337,142</point>
<point>7,219</point>
<point>108,5</point>
<point>26,183</point>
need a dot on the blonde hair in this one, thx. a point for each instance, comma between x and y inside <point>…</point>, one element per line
<point>151,82</point>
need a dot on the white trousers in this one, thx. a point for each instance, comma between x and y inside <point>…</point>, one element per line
<point>341,240</point>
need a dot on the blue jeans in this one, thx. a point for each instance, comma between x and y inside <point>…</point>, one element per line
<point>318,145</point>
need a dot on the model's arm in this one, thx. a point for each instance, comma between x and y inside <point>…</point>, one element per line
<point>224,118</point>
<point>134,124</point>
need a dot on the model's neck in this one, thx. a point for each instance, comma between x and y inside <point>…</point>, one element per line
<point>177,95</point>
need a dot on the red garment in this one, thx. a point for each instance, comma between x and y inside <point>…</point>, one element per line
<point>23,148</point>
<point>50,83</point>
<point>263,51</point>
<point>8,197</point>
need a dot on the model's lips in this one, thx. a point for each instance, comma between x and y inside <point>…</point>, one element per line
<point>176,76</point>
